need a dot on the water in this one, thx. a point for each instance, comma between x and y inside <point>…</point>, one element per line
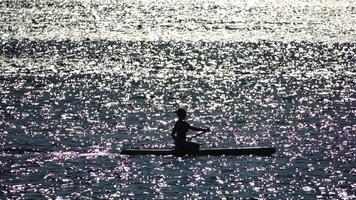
<point>80,80</point>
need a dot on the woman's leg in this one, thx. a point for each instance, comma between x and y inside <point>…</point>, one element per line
<point>192,146</point>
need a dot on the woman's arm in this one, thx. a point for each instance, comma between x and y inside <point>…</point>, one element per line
<point>199,129</point>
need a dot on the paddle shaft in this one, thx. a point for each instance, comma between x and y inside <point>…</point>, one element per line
<point>197,135</point>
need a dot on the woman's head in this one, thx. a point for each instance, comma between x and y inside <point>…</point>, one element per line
<point>181,113</point>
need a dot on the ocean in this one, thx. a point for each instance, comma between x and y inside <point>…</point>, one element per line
<point>82,79</point>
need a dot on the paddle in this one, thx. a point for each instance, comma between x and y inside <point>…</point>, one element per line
<point>198,135</point>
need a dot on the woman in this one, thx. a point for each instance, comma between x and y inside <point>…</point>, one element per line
<point>179,133</point>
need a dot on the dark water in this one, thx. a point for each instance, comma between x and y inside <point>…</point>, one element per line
<point>76,90</point>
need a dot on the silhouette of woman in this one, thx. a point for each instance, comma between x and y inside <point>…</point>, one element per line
<point>179,133</point>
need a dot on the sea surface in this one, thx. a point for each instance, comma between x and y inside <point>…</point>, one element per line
<point>82,79</point>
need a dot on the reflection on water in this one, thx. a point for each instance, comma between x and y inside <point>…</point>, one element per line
<point>81,80</point>
<point>64,120</point>
<point>224,20</point>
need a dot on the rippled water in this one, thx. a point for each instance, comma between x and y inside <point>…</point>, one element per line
<point>80,80</point>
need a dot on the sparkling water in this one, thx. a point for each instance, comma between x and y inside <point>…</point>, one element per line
<point>82,79</point>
